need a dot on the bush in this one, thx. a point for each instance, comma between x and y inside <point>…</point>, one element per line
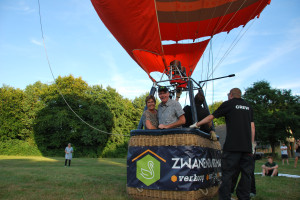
<point>270,154</point>
<point>19,147</point>
<point>113,150</point>
<point>85,151</point>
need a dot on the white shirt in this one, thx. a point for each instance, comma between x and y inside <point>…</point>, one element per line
<point>283,150</point>
<point>69,153</point>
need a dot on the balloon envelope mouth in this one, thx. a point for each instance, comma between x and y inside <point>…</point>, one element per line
<point>187,54</point>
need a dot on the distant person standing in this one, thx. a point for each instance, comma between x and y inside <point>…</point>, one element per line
<point>284,154</point>
<point>68,156</point>
<point>237,150</point>
<point>297,151</point>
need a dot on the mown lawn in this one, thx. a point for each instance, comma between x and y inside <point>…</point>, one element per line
<point>278,188</point>
<point>47,178</point>
<point>88,178</point>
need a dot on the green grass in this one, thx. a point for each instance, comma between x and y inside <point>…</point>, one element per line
<point>91,178</point>
<point>278,188</point>
<point>47,178</point>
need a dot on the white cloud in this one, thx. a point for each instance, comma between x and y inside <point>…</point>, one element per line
<point>34,41</point>
<point>290,42</point>
<point>123,82</point>
<point>277,53</point>
<point>291,85</point>
<point>21,7</point>
<point>294,86</point>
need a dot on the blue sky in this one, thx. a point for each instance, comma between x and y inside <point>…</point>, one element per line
<point>78,43</point>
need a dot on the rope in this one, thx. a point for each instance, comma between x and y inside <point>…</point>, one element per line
<point>203,55</point>
<point>217,26</point>
<point>213,89</point>
<point>231,17</point>
<point>202,66</point>
<point>227,52</point>
<point>221,18</point>
<point>59,90</point>
<point>221,47</point>
<point>233,44</point>
<point>211,38</point>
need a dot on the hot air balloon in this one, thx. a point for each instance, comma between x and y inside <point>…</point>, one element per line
<point>169,37</point>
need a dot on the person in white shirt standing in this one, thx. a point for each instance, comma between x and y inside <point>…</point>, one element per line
<point>68,156</point>
<point>284,154</point>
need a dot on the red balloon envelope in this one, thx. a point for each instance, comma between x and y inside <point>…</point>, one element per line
<point>140,26</point>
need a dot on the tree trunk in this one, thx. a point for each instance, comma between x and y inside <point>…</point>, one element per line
<point>273,149</point>
<point>292,149</point>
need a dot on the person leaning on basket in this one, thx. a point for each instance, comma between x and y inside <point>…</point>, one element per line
<point>149,116</point>
<point>170,113</point>
<point>237,150</point>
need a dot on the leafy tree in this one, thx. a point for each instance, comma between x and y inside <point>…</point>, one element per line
<point>32,104</point>
<point>39,118</point>
<point>56,124</point>
<point>275,111</point>
<point>125,117</point>
<point>291,116</point>
<point>139,102</point>
<point>212,108</point>
<point>12,114</point>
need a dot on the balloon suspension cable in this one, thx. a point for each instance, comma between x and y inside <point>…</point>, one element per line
<point>59,89</point>
<point>236,40</point>
<point>212,69</point>
<point>231,47</point>
<point>161,78</point>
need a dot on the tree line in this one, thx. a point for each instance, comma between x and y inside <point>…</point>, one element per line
<point>276,113</point>
<point>38,121</point>
<point>97,121</point>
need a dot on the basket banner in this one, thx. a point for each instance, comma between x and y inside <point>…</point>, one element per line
<point>179,168</point>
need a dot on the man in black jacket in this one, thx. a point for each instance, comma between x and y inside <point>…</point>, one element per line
<point>237,150</point>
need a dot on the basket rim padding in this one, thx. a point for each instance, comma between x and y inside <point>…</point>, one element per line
<point>173,131</point>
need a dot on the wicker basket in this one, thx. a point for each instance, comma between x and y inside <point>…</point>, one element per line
<point>173,140</point>
<point>137,193</point>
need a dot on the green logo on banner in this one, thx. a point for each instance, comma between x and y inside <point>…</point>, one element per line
<point>148,170</point>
